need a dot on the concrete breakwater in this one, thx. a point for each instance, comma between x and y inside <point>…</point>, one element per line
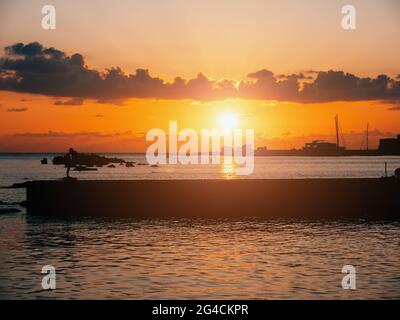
<point>299,198</point>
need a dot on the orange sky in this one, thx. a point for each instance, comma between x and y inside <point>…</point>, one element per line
<point>103,127</point>
<point>224,39</point>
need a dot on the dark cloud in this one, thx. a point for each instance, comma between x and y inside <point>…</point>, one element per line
<point>340,86</point>
<point>395,105</point>
<point>294,76</point>
<point>33,68</point>
<point>267,87</point>
<point>262,74</point>
<point>30,49</point>
<point>17,109</point>
<point>69,102</point>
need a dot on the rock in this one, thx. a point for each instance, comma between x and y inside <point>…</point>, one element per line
<point>43,161</point>
<point>397,173</point>
<point>154,166</point>
<point>9,210</point>
<point>86,160</point>
<point>58,160</point>
<point>129,164</point>
<point>111,166</point>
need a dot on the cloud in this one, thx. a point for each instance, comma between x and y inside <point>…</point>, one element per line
<point>310,71</point>
<point>28,50</point>
<point>17,109</point>
<point>33,68</point>
<point>84,141</point>
<point>70,102</point>
<point>298,76</point>
<point>395,104</point>
<point>80,134</point>
<point>262,74</point>
<point>340,86</point>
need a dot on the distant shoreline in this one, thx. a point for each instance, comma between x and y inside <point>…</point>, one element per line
<point>271,153</point>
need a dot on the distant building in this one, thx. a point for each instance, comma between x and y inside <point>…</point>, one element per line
<point>261,150</point>
<point>322,146</point>
<point>389,146</point>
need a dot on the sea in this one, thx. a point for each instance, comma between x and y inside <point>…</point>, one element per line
<point>246,258</point>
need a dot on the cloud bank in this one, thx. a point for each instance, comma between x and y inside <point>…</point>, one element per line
<point>17,109</point>
<point>33,68</point>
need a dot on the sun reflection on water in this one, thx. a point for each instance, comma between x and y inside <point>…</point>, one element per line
<point>228,167</point>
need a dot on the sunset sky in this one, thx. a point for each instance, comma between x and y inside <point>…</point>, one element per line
<point>112,70</point>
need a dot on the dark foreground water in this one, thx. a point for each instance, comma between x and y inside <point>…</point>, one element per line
<point>197,259</point>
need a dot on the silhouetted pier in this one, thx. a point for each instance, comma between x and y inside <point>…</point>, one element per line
<point>300,198</point>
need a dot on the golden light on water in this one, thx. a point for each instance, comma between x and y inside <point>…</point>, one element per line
<point>228,121</point>
<point>228,167</point>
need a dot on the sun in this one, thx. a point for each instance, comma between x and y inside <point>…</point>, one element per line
<point>228,121</point>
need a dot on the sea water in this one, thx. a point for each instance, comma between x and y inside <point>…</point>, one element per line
<point>197,258</point>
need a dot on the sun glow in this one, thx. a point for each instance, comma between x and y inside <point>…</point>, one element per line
<point>228,121</point>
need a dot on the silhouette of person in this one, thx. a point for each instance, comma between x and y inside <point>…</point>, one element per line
<point>69,160</point>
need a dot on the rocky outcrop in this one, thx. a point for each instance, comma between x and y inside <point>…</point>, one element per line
<point>89,160</point>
